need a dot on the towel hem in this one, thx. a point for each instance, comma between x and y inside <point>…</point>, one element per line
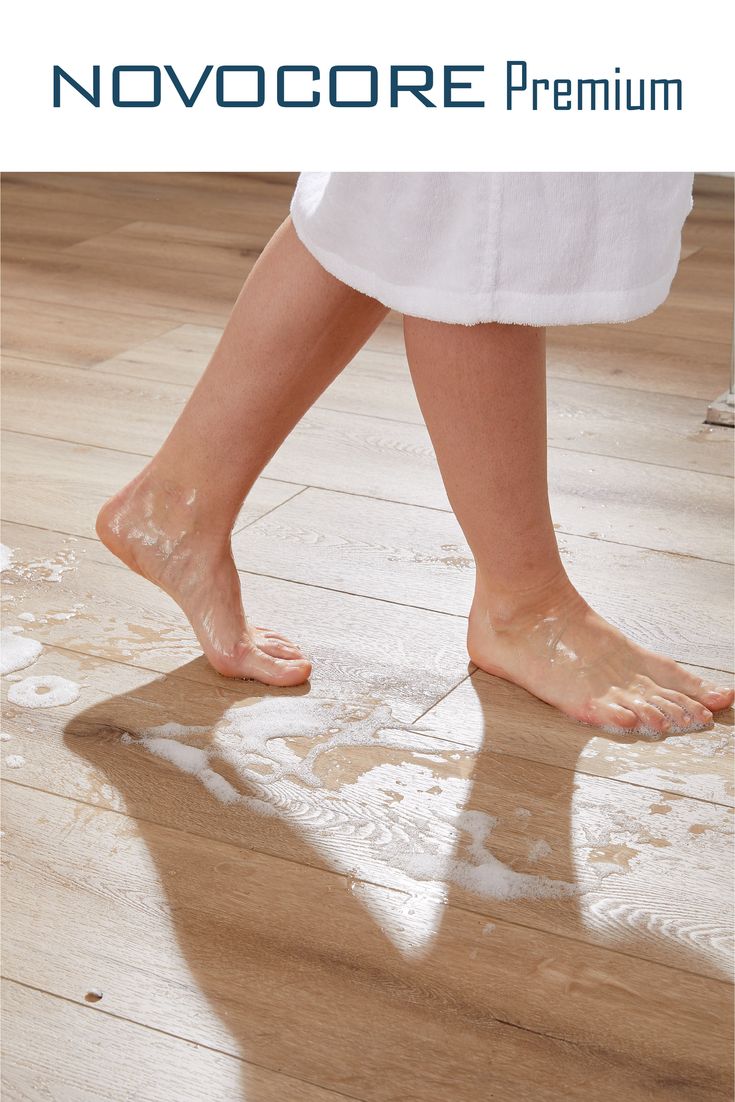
<point>506,307</point>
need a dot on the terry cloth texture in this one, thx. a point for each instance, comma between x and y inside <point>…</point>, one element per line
<point>531,248</point>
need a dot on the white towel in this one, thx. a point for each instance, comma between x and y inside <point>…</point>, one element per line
<point>538,248</point>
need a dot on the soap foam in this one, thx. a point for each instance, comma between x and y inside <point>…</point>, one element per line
<point>276,753</point>
<point>16,651</point>
<point>43,692</point>
<point>6,557</point>
<point>538,850</point>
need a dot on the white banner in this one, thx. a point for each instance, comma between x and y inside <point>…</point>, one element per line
<point>390,85</point>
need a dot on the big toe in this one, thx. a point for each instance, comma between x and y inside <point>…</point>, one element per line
<point>715,698</point>
<point>672,677</point>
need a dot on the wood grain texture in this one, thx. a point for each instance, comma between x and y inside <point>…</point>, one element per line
<point>54,484</point>
<point>345,1010</point>
<point>620,356</point>
<point>379,804</point>
<point>179,247</point>
<point>621,500</point>
<point>85,1056</point>
<point>489,710</point>
<point>61,279</point>
<point>419,557</point>
<point>74,334</point>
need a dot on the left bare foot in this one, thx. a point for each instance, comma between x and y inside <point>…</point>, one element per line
<point>155,529</point>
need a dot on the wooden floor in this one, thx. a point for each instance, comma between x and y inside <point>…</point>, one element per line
<point>291,947</point>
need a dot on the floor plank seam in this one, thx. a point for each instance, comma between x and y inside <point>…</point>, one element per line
<point>267,513</point>
<point>177,1037</point>
<point>462,680</point>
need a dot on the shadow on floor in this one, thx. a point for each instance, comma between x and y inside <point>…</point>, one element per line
<point>308,983</point>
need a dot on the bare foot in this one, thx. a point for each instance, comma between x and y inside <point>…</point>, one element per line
<point>555,646</point>
<point>158,531</point>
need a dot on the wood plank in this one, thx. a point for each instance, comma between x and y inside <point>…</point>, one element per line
<point>404,657</point>
<point>392,810</point>
<point>664,429</point>
<point>619,499</point>
<point>176,198</point>
<point>683,315</point>
<point>71,334</point>
<point>714,187</point>
<point>141,195</point>
<point>52,484</point>
<point>418,557</point>
<point>53,1049</point>
<point>706,277</point>
<point>242,921</point>
<point>177,296</point>
<point>584,417</point>
<point>177,356</point>
<point>621,356</point>
<point>167,246</point>
<point>136,415</point>
<point>44,228</point>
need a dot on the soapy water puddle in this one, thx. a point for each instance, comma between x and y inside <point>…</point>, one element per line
<point>312,764</point>
<point>390,814</point>
<point>50,569</point>
<point>287,759</point>
<point>19,651</point>
<point>398,821</point>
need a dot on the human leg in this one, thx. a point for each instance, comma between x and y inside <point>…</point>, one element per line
<point>482,392</point>
<point>292,330</point>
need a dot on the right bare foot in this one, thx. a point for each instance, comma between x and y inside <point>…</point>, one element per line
<point>550,642</point>
<point>157,530</point>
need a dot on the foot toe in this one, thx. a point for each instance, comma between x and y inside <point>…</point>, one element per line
<point>251,663</point>
<point>650,717</point>
<point>715,698</point>
<point>679,718</point>
<point>695,714</point>
<point>613,716</point>
<point>280,649</point>
<point>267,633</point>
<point>672,676</point>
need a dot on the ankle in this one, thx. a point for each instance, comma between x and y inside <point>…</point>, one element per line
<point>157,508</point>
<point>506,609</point>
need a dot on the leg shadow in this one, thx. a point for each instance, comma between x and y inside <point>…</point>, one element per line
<point>356,982</point>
